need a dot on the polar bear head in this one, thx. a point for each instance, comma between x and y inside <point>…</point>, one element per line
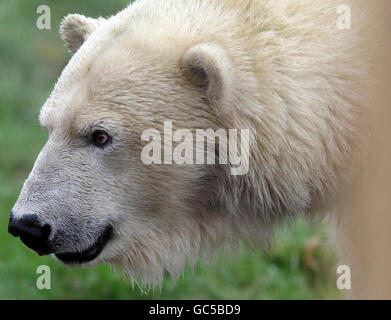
<point>106,188</point>
<point>90,198</point>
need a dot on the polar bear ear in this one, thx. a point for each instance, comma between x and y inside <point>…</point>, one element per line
<point>209,67</point>
<point>76,28</point>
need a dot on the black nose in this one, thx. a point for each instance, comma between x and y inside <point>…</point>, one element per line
<point>33,235</point>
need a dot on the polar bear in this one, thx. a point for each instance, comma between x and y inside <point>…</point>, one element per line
<point>283,70</point>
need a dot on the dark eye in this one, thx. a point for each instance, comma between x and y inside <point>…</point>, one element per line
<point>100,138</point>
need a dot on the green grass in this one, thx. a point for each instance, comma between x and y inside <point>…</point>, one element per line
<point>300,265</point>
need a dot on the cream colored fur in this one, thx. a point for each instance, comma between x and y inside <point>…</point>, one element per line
<point>279,68</point>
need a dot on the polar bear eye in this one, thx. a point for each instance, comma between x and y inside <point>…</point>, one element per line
<point>100,138</point>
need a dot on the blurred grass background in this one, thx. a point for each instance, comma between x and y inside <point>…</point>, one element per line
<point>300,265</point>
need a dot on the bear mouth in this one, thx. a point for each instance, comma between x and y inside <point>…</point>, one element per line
<point>88,254</point>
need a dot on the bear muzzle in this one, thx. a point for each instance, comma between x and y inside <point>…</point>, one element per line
<point>36,236</point>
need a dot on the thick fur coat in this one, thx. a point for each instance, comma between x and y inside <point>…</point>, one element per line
<point>280,68</point>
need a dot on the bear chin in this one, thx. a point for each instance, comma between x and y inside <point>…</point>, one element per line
<point>89,254</point>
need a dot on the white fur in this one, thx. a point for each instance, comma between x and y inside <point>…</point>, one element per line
<point>279,68</point>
